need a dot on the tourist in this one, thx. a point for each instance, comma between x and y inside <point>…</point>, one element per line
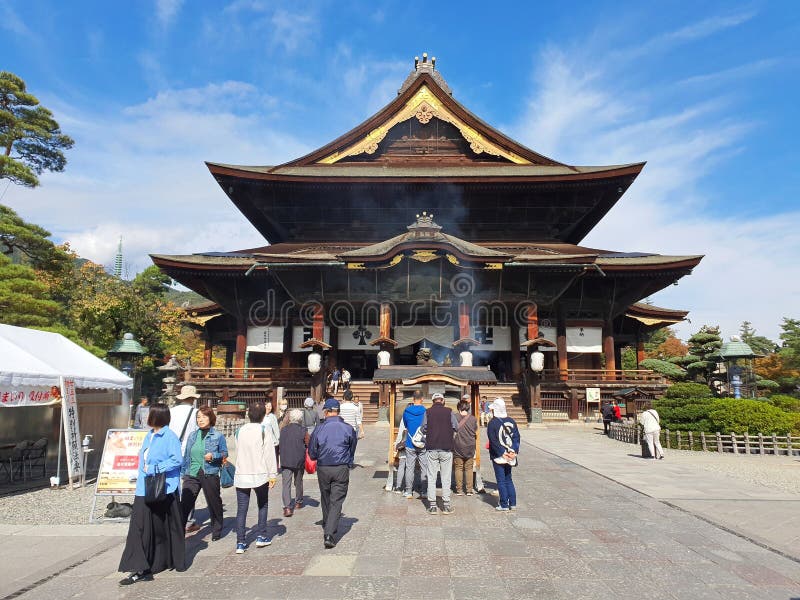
<point>346,379</point>
<point>293,461</point>
<point>464,447</point>
<point>617,412</point>
<point>440,425</point>
<point>503,435</point>
<point>651,427</point>
<point>351,413</point>
<point>310,415</point>
<point>256,470</point>
<point>183,422</point>
<point>360,408</point>
<point>140,418</point>
<point>607,412</point>
<point>283,414</point>
<point>206,449</point>
<point>412,421</point>
<point>400,451</point>
<point>155,531</point>
<point>486,414</point>
<point>271,423</point>
<point>333,446</point>
<point>321,407</point>
<point>335,376</point>
<point>183,416</point>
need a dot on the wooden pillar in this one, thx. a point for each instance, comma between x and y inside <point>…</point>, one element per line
<point>573,404</point>
<point>639,348</point>
<point>207,351</point>
<point>286,358</point>
<point>333,354</point>
<point>608,350</point>
<point>318,333</point>
<point>241,347</point>
<point>385,324</point>
<point>463,321</point>
<point>561,344</point>
<point>516,358</point>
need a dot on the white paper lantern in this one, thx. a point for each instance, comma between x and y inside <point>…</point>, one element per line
<point>384,358</point>
<point>466,359</point>
<point>537,362</point>
<point>314,362</point>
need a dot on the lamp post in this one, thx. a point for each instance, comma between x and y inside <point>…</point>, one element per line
<point>129,353</point>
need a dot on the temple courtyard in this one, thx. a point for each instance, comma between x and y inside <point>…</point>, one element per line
<point>594,521</point>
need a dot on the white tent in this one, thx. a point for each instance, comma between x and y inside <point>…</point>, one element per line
<point>33,361</point>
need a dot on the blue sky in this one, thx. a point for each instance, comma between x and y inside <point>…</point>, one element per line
<point>707,93</point>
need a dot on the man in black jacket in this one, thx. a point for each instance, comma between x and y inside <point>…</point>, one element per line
<point>333,446</point>
<point>440,426</point>
<point>608,415</point>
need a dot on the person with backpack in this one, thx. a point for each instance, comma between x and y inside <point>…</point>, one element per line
<point>504,440</point>
<point>346,379</point>
<point>412,421</point>
<point>335,380</point>
<point>183,422</point>
<point>651,427</point>
<point>256,470</point>
<point>293,460</point>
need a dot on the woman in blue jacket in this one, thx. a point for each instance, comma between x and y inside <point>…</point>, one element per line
<point>155,539</point>
<point>503,435</point>
<point>205,450</point>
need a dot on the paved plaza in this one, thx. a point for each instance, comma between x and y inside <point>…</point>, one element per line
<point>594,521</point>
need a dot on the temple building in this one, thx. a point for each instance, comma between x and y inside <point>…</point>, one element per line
<point>425,228</point>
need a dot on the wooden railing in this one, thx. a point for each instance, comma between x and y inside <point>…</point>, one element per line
<point>760,443</point>
<point>601,375</point>
<point>261,374</point>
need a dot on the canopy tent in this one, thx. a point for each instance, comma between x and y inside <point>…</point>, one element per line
<point>33,361</point>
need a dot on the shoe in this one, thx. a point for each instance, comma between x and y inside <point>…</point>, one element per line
<point>432,510</point>
<point>240,548</point>
<point>470,493</point>
<point>447,509</point>
<point>192,528</point>
<point>408,495</point>
<point>499,508</point>
<point>512,507</point>
<point>500,460</point>
<point>459,493</point>
<point>329,542</point>
<point>287,512</point>
<point>137,577</point>
<point>262,542</point>
<point>215,536</point>
<point>398,491</point>
<point>298,504</point>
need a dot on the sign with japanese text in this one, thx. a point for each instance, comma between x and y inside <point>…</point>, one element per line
<point>72,431</point>
<point>29,396</point>
<point>119,465</point>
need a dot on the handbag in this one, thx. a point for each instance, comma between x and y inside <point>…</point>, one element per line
<point>155,488</point>
<point>311,465</point>
<point>226,474</point>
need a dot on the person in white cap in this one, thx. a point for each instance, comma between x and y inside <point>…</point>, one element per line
<point>310,415</point>
<point>183,422</point>
<point>504,439</point>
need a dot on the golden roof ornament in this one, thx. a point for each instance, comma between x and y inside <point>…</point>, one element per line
<point>424,226</point>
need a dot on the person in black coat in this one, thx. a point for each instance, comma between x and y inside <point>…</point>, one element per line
<point>607,411</point>
<point>293,459</point>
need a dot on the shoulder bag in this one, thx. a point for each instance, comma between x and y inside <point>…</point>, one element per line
<point>155,485</point>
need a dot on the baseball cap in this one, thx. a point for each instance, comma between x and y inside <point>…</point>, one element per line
<point>308,402</point>
<point>437,395</point>
<point>331,404</point>
<point>499,407</point>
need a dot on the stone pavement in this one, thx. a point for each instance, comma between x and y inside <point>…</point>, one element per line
<point>577,534</point>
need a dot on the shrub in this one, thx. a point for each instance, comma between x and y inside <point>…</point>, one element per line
<point>685,414</point>
<point>688,390</point>
<point>665,368</point>
<point>748,416</point>
<point>785,402</point>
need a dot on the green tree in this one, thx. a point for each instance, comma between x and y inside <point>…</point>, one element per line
<point>790,336</point>
<point>758,343</point>
<point>31,140</point>
<point>24,301</point>
<point>28,243</point>
<point>703,347</point>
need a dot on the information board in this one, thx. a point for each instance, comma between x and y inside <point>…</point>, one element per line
<point>119,465</point>
<point>72,430</point>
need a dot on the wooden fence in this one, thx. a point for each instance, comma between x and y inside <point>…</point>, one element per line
<point>763,444</point>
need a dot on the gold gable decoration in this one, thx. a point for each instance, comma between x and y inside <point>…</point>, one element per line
<point>424,106</point>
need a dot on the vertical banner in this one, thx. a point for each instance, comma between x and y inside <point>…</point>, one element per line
<point>72,432</point>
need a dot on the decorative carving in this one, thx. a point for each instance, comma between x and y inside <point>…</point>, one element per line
<point>425,359</point>
<point>356,265</point>
<point>424,106</point>
<point>424,255</point>
<point>453,260</point>
<point>493,266</point>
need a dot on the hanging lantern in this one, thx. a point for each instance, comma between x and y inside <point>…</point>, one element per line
<point>314,362</point>
<point>537,362</point>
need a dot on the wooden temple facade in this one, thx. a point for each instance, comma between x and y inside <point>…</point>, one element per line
<point>424,227</point>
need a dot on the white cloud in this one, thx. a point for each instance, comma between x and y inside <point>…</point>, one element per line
<point>166,11</point>
<point>292,30</point>
<point>11,21</point>
<point>583,114</point>
<point>140,173</point>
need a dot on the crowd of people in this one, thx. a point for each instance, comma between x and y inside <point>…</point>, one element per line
<point>183,454</point>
